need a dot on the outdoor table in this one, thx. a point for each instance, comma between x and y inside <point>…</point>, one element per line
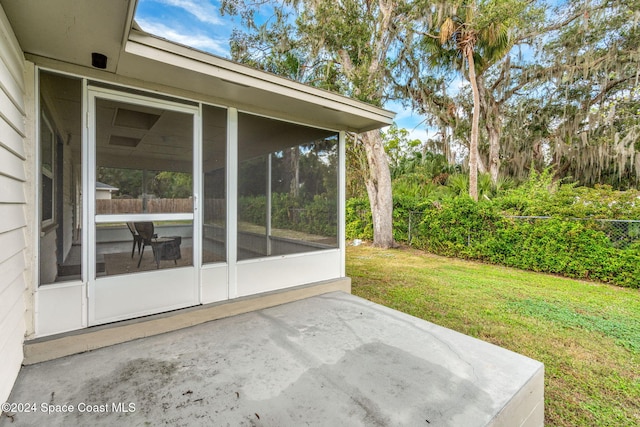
<point>166,249</point>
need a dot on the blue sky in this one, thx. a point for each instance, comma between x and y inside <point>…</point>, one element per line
<point>197,23</point>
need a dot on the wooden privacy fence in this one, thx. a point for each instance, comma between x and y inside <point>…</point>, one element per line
<point>213,208</point>
<point>118,206</point>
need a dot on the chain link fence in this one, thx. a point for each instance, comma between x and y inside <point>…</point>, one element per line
<point>620,232</point>
<point>587,248</point>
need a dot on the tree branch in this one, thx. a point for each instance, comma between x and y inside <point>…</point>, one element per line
<point>605,91</point>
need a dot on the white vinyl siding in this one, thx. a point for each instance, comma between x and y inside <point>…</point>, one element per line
<point>12,207</point>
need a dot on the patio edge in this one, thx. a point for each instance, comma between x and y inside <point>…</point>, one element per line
<point>526,407</point>
<point>61,345</point>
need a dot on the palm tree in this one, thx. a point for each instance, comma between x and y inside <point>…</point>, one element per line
<point>479,40</point>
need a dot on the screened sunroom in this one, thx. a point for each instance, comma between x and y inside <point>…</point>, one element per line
<point>162,240</point>
<point>165,177</point>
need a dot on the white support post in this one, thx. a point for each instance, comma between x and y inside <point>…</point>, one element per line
<point>232,201</point>
<point>268,208</point>
<point>198,199</point>
<point>342,185</point>
<point>88,200</point>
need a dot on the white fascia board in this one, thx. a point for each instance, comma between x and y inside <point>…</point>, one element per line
<point>161,50</point>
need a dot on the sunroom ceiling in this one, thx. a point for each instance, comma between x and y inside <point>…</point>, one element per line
<point>68,31</point>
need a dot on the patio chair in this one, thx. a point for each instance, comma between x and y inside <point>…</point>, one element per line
<point>164,248</point>
<point>137,240</point>
<point>147,236</point>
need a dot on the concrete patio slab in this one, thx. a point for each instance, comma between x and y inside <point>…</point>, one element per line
<point>333,360</point>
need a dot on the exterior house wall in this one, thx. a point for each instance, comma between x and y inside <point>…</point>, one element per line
<point>103,194</point>
<point>13,227</point>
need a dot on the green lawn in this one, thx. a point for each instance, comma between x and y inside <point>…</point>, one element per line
<point>587,334</point>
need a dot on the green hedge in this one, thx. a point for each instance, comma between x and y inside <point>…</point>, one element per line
<point>359,223</point>
<point>462,228</point>
<point>314,216</point>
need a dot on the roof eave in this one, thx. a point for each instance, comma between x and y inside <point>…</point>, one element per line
<point>222,72</point>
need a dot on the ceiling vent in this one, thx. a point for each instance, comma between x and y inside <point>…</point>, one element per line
<point>135,119</point>
<point>124,141</point>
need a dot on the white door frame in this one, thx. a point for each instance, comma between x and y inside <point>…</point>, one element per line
<point>141,293</point>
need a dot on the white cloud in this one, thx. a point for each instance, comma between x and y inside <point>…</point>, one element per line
<point>402,113</point>
<point>411,121</point>
<point>197,41</point>
<point>421,133</point>
<point>204,11</point>
<point>457,85</point>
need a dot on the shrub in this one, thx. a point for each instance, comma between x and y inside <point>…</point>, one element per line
<point>540,195</point>
<point>358,220</point>
<point>462,228</point>
<point>554,246</point>
<point>314,216</point>
<point>459,227</point>
<point>253,209</point>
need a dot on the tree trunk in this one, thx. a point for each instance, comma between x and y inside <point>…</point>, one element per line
<point>473,142</point>
<point>294,185</point>
<point>493,124</point>
<point>494,152</point>
<point>448,153</point>
<point>378,183</point>
<point>481,167</point>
